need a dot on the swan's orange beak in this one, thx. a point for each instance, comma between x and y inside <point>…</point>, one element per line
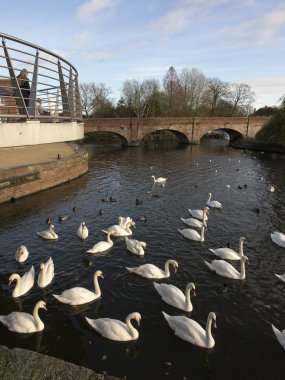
<point>215,324</point>
<point>44,308</point>
<point>193,293</point>
<point>102,276</point>
<point>10,282</point>
<point>175,269</point>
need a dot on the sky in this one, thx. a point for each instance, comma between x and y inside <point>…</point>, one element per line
<point>110,41</point>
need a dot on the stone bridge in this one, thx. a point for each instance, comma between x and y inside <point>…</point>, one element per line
<point>189,130</point>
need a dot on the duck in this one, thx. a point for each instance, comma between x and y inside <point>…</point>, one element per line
<point>138,202</point>
<point>191,331</point>
<point>24,283</point>
<point>193,234</point>
<point>272,188</point>
<point>122,221</point>
<point>142,218</point>
<point>281,277</point>
<point>62,218</point>
<point>175,297</point>
<point>120,231</point>
<point>199,214</point>
<point>102,246</point>
<point>22,254</point>
<point>278,238</point>
<point>115,329</point>
<point>46,274</point>
<point>78,295</point>
<point>135,246</point>
<point>152,271</point>
<point>24,323</point>
<point>280,335</point>
<point>82,231</point>
<point>192,222</point>
<point>213,204</point>
<point>49,221</point>
<point>228,253</point>
<point>48,234</point>
<point>160,180</point>
<point>223,268</point>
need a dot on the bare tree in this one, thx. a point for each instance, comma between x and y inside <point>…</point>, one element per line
<point>171,88</point>
<point>86,98</point>
<point>216,91</point>
<point>240,96</point>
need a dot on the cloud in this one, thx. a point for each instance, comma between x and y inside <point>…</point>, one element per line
<point>260,31</point>
<point>88,10</point>
<point>267,89</point>
<point>80,39</point>
<point>101,56</point>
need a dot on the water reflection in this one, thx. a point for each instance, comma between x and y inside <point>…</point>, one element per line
<point>244,309</point>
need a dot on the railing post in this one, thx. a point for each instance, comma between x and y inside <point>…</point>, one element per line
<point>16,88</point>
<point>33,93</point>
<point>64,98</point>
<point>78,109</point>
<point>71,94</point>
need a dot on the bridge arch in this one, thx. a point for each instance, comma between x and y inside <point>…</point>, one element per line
<point>232,134</point>
<point>122,138</point>
<point>181,137</point>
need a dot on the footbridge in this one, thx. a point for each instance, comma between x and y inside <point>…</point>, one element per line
<point>189,130</point>
<point>39,96</point>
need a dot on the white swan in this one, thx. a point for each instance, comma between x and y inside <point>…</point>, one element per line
<point>192,222</point>
<point>199,214</point>
<point>120,231</point>
<point>175,297</point>
<point>278,238</point>
<point>152,271</point>
<point>122,222</point>
<point>82,231</point>
<point>160,180</point>
<point>23,322</point>
<point>190,331</point>
<point>228,253</point>
<point>280,335</point>
<point>271,188</point>
<point>135,246</point>
<point>102,246</point>
<point>116,330</point>
<point>213,204</point>
<point>281,277</point>
<point>193,234</point>
<point>46,274</point>
<point>24,283</point>
<point>22,254</point>
<point>223,268</point>
<point>79,296</point>
<point>48,234</point>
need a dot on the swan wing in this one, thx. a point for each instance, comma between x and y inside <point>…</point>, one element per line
<point>197,214</point>
<point>280,335</point>
<point>281,277</point>
<point>100,247</point>
<point>117,230</point>
<point>214,204</point>
<point>148,271</point>
<point>278,238</point>
<point>190,234</point>
<point>76,296</point>
<point>111,328</point>
<point>171,295</point>
<point>27,281</point>
<point>188,330</point>
<point>226,253</point>
<point>224,269</point>
<point>192,222</point>
<point>19,322</point>
<point>46,235</point>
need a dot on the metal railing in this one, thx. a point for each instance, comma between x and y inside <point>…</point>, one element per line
<point>54,91</point>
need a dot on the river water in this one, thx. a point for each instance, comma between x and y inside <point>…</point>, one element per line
<point>246,347</point>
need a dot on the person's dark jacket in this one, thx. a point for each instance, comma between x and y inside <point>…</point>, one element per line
<point>25,89</point>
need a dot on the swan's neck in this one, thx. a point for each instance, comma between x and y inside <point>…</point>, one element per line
<point>210,196</point>
<point>166,270</point>
<point>204,217</point>
<point>38,323</point>
<point>18,283</point>
<point>189,306</point>
<point>128,225</point>
<point>241,248</point>
<point>109,239</point>
<point>96,286</point>
<point>134,333</point>
<point>202,233</point>
<point>242,270</point>
<point>209,337</point>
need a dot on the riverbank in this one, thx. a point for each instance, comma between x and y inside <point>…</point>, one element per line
<point>261,147</point>
<point>29,169</point>
<point>21,364</point>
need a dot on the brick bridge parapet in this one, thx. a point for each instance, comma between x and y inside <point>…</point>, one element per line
<point>188,129</point>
